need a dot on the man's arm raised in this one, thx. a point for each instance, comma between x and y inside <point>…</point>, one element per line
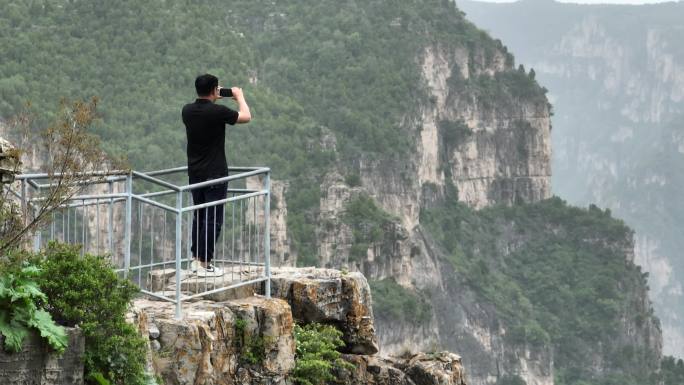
<point>243,109</point>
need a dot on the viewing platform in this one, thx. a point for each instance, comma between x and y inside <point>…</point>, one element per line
<point>143,223</point>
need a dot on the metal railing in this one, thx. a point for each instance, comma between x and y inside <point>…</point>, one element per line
<point>144,222</point>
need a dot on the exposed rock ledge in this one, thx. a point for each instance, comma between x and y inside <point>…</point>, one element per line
<point>250,340</point>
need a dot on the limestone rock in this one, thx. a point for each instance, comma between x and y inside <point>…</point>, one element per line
<point>247,341</point>
<point>443,368</point>
<point>250,340</point>
<point>330,297</point>
<point>373,370</point>
<point>153,331</point>
<point>10,164</point>
<point>35,364</point>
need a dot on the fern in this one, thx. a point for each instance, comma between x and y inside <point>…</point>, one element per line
<point>20,297</point>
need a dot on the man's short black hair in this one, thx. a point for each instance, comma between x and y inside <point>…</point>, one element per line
<point>205,84</point>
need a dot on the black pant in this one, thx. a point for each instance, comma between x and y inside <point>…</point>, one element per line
<point>207,222</point>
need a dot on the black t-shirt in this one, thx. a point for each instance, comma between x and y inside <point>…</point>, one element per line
<point>205,128</point>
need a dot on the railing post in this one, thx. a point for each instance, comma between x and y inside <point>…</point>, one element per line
<point>24,204</point>
<point>127,229</point>
<point>37,240</point>
<point>110,226</point>
<point>267,234</point>
<point>179,237</point>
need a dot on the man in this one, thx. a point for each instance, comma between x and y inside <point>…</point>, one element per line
<point>205,128</point>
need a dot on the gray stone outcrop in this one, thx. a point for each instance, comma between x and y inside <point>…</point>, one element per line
<point>36,364</point>
<point>251,340</point>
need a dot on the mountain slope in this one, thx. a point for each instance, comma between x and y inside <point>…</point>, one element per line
<point>616,75</point>
<point>388,124</point>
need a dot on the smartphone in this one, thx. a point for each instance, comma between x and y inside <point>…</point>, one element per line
<point>226,92</point>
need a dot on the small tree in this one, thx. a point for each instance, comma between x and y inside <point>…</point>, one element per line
<point>68,154</point>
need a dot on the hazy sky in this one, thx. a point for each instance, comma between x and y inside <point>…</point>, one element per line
<point>596,1</point>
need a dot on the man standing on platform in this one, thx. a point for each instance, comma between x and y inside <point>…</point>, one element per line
<point>205,127</point>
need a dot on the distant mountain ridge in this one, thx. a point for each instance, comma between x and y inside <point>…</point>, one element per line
<point>616,77</point>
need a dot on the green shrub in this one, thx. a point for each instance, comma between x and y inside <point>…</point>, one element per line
<point>564,285</point>
<point>85,291</point>
<point>353,180</point>
<point>672,371</point>
<point>367,221</point>
<point>394,302</point>
<point>21,311</point>
<point>252,347</point>
<point>454,133</point>
<point>316,355</point>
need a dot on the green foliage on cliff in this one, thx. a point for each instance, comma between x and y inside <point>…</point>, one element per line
<point>252,347</point>
<point>85,291</point>
<point>392,301</point>
<point>316,355</point>
<point>556,276</point>
<point>368,222</point>
<point>672,371</point>
<point>22,310</point>
<point>502,90</point>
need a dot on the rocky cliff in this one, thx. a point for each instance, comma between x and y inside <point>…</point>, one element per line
<point>251,340</point>
<point>406,144</point>
<point>481,138</point>
<point>483,131</point>
<point>616,75</point>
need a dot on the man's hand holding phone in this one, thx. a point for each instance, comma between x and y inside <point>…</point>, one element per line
<point>233,92</point>
<point>236,93</point>
<point>225,92</point>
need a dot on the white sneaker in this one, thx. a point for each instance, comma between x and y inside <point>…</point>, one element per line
<point>209,271</point>
<point>194,265</point>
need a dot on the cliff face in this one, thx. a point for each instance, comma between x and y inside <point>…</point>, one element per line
<point>492,148</point>
<point>492,154</point>
<point>410,148</point>
<point>481,138</point>
<point>619,105</point>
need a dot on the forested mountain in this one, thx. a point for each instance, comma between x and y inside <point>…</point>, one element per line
<point>405,143</point>
<point>616,77</point>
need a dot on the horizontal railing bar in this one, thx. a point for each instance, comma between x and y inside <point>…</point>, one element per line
<point>158,296</point>
<point>119,175</point>
<point>234,262</point>
<point>241,190</point>
<point>138,267</point>
<point>185,168</point>
<point>155,203</point>
<point>174,170</point>
<point>157,193</point>
<point>220,289</point>
<point>89,203</point>
<point>167,192</point>
<point>263,170</point>
<point>165,171</point>
<point>44,175</point>
<point>87,197</point>
<point>156,180</point>
<point>92,202</point>
<point>231,199</point>
<point>91,182</point>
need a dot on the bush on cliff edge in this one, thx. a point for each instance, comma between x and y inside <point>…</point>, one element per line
<point>85,291</point>
<point>316,354</point>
